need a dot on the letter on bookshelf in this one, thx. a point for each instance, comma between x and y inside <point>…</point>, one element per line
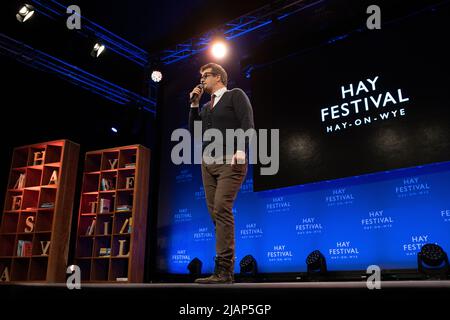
<point>16,185</point>
<point>38,158</point>
<point>54,178</point>
<point>5,275</point>
<point>113,163</point>
<point>93,205</point>
<point>121,248</point>
<point>122,230</point>
<point>20,182</point>
<point>16,202</point>
<point>130,182</point>
<point>90,229</point>
<point>105,228</point>
<point>30,224</point>
<point>45,247</point>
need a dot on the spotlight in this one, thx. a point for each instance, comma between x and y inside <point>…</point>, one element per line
<point>316,263</point>
<point>25,13</point>
<point>113,129</point>
<point>156,76</point>
<point>97,50</point>
<point>219,49</point>
<point>432,260</point>
<point>195,268</point>
<point>248,266</point>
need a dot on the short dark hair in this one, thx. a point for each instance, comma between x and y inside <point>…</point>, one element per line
<point>217,69</point>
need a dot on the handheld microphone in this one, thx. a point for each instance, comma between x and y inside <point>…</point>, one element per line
<point>194,96</point>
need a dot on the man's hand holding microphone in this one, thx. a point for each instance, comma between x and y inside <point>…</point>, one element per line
<point>195,95</point>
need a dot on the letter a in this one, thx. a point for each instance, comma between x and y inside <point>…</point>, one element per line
<point>74,20</point>
<point>74,280</point>
<point>374,21</point>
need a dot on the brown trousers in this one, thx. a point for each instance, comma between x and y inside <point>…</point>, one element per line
<point>222,183</point>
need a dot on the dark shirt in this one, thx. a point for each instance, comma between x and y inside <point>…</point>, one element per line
<point>232,111</point>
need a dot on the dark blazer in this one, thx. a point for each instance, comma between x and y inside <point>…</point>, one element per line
<point>233,111</point>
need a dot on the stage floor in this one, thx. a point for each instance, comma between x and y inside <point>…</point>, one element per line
<point>422,284</point>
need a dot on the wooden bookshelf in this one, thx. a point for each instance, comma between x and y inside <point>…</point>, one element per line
<point>107,177</point>
<point>43,213</point>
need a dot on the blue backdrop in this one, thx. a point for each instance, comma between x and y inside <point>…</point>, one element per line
<point>381,219</point>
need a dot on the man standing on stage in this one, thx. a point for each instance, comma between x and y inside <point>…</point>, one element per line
<point>222,175</point>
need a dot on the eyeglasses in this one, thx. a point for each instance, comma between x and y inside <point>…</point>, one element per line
<point>207,74</point>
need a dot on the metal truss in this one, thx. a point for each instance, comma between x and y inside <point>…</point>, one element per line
<point>56,11</point>
<point>236,28</point>
<point>45,62</point>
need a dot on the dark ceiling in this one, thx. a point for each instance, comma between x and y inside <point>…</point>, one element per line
<point>151,25</point>
<point>157,25</point>
<point>154,25</point>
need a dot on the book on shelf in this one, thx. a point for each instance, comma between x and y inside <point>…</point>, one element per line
<point>19,248</point>
<point>130,165</point>
<point>105,252</point>
<point>121,279</point>
<point>130,225</point>
<point>124,207</point>
<point>20,183</point>
<point>91,228</point>
<point>48,205</point>
<point>24,248</point>
<point>105,205</point>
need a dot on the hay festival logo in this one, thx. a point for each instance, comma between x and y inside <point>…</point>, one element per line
<point>362,106</point>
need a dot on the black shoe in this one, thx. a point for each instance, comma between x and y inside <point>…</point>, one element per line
<point>222,273</point>
<point>217,278</point>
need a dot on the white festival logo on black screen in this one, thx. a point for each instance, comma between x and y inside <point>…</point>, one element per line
<point>362,104</point>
